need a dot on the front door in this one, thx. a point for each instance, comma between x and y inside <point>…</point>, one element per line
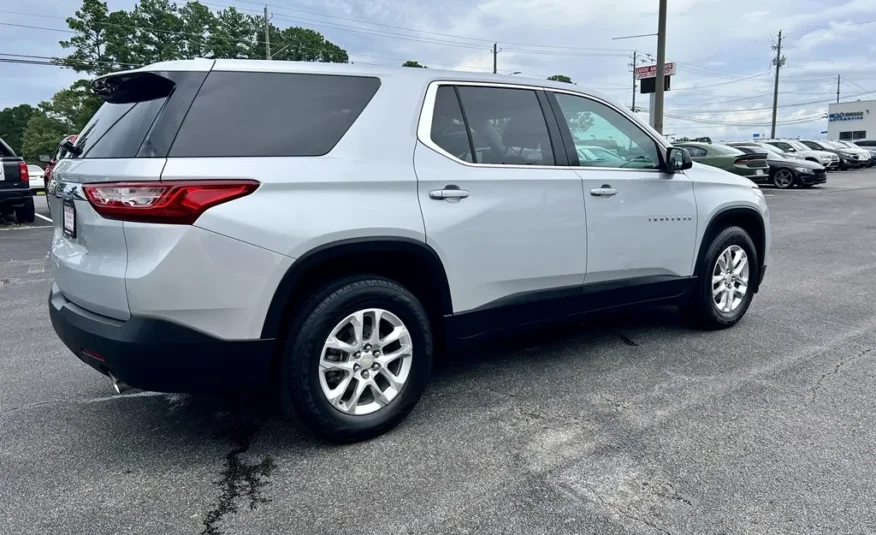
<point>641,220</point>
<point>506,220</point>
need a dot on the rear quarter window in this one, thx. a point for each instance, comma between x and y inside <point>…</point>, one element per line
<point>271,114</point>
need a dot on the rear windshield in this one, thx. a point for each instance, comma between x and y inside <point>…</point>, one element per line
<point>118,130</point>
<point>726,150</point>
<point>271,114</point>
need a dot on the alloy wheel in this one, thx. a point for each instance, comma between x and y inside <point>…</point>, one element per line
<point>783,179</point>
<point>365,361</point>
<point>730,279</point>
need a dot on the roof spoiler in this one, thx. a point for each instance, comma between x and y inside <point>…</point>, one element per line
<point>134,86</point>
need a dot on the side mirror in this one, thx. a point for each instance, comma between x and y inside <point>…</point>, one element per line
<point>45,158</point>
<point>677,159</point>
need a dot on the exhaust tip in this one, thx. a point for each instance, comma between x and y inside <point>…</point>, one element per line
<point>119,387</point>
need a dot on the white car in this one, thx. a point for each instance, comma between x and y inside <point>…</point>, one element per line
<point>827,159</point>
<point>333,225</point>
<point>37,181</point>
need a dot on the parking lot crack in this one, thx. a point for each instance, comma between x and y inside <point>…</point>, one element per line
<point>624,513</point>
<point>239,480</point>
<point>817,386</point>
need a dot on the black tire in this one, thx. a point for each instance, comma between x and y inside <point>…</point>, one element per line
<point>701,309</point>
<point>807,186</point>
<point>783,185</point>
<point>300,391</point>
<point>26,213</point>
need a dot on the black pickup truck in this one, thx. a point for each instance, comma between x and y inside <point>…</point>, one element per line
<point>15,193</point>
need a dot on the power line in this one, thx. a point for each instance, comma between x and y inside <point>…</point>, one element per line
<point>481,39</point>
<point>722,83</point>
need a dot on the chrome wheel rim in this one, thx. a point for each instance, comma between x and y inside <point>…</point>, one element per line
<point>783,179</point>
<point>730,279</point>
<point>365,361</point>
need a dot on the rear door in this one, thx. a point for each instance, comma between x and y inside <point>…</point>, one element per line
<point>501,206</point>
<point>127,140</point>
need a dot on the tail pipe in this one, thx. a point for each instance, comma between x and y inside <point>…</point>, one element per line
<point>119,386</point>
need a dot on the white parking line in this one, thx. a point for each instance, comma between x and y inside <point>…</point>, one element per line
<point>44,218</point>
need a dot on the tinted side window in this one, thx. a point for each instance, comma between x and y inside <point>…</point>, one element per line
<point>271,114</point>
<point>448,126</point>
<point>605,138</point>
<point>507,126</point>
<point>811,145</point>
<point>118,130</point>
<point>696,152</point>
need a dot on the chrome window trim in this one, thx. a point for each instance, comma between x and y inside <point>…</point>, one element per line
<point>424,126</point>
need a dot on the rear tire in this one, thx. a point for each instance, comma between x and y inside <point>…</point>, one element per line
<point>705,309</point>
<point>784,179</point>
<point>26,213</point>
<point>303,377</point>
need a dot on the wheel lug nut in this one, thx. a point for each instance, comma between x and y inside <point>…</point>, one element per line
<point>357,354</point>
<point>375,366</point>
<point>356,367</point>
<point>376,353</point>
<point>367,347</point>
<point>365,374</point>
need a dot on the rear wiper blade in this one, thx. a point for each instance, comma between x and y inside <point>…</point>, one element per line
<point>71,148</point>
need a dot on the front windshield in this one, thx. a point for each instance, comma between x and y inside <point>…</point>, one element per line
<point>797,145</point>
<point>775,151</point>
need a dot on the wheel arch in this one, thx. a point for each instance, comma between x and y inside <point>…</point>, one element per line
<point>409,262</point>
<point>749,219</point>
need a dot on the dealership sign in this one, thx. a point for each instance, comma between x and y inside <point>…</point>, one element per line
<point>848,116</point>
<point>650,71</point>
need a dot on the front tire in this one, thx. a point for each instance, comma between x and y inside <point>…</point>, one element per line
<point>357,359</point>
<point>26,213</point>
<point>728,273</point>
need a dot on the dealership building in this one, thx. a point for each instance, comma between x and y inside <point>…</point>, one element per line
<point>852,120</point>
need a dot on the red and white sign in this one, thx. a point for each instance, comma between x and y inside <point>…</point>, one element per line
<point>650,71</point>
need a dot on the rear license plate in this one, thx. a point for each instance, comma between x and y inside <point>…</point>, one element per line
<point>759,172</point>
<point>69,219</point>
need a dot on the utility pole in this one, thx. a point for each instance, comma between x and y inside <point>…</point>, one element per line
<point>661,68</point>
<point>267,35</point>
<point>778,62</point>
<point>634,80</point>
<point>838,77</point>
<point>495,55</point>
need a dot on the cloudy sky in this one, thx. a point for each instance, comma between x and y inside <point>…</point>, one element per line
<point>723,86</point>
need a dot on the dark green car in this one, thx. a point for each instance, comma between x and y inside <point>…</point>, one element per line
<point>751,166</point>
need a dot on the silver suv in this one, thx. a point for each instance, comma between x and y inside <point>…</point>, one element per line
<point>323,229</point>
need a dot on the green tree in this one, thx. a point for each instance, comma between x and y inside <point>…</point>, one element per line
<point>301,44</point>
<point>42,136</point>
<point>73,107</point>
<point>234,36</point>
<point>90,54</point>
<point>13,123</point>
<point>159,34</point>
<point>198,23</point>
<point>415,64</point>
<point>560,78</point>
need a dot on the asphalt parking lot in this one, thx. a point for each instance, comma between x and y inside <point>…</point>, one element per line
<point>630,424</point>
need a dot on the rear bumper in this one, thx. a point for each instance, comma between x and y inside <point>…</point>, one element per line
<point>152,354</point>
<point>15,196</point>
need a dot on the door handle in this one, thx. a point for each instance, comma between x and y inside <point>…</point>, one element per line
<point>449,193</point>
<point>604,191</point>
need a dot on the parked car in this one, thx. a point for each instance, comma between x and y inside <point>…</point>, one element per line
<point>786,172</point>
<point>868,156</point>
<point>866,143</point>
<point>15,193</point>
<point>36,178</point>
<point>829,159</point>
<point>753,166</point>
<point>60,153</point>
<point>848,159</point>
<point>326,244</point>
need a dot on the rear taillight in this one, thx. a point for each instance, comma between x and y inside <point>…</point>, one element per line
<point>178,203</point>
<point>23,172</point>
